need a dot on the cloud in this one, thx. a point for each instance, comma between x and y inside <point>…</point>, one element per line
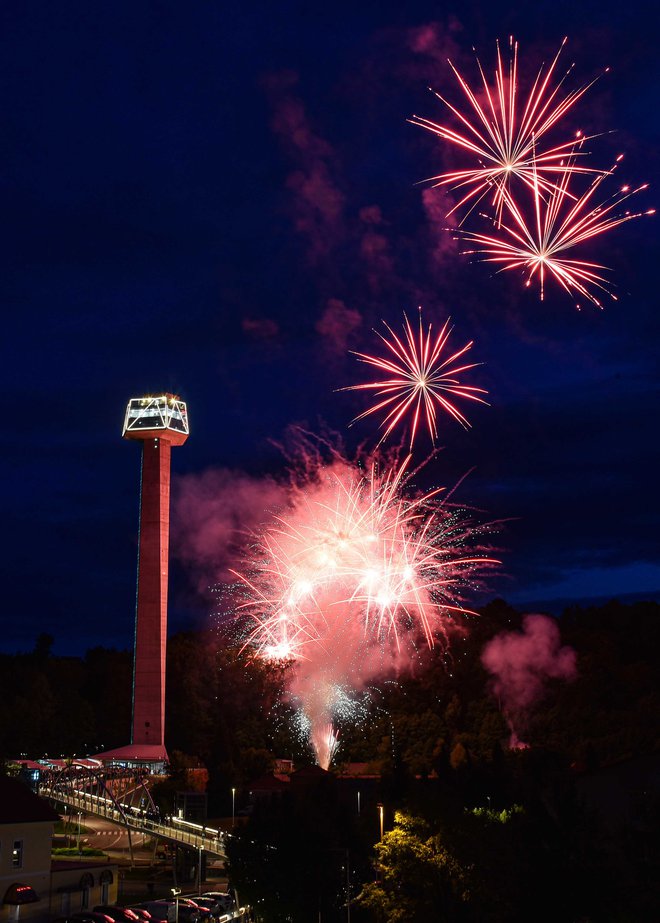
<point>337,324</point>
<point>443,245</point>
<point>375,249</point>
<point>521,663</point>
<point>317,203</point>
<point>360,254</point>
<point>434,40</point>
<point>215,513</point>
<point>260,328</point>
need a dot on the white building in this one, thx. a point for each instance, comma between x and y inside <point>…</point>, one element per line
<point>33,886</point>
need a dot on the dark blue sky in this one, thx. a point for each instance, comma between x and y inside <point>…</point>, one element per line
<point>219,200</point>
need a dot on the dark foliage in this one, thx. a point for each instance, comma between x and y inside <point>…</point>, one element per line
<point>583,846</point>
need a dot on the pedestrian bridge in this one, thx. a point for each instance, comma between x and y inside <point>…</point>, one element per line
<point>125,799</point>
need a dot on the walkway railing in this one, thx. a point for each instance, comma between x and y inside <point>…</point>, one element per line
<point>171,829</point>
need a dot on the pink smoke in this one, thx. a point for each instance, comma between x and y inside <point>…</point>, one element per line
<point>337,324</point>
<point>356,251</point>
<point>213,514</point>
<point>260,328</point>
<point>443,245</point>
<point>375,248</point>
<point>521,663</point>
<point>317,203</point>
<point>434,40</point>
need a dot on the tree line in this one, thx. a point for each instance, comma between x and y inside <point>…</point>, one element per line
<point>473,829</point>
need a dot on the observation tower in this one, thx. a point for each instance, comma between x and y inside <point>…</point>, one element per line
<point>158,423</point>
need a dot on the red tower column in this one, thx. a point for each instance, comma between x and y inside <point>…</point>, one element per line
<point>151,616</point>
<point>158,423</point>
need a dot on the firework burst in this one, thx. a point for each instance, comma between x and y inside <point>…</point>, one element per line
<point>420,379</point>
<point>349,581</point>
<point>504,135</point>
<point>539,243</point>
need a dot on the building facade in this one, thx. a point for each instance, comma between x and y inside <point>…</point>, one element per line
<point>33,886</point>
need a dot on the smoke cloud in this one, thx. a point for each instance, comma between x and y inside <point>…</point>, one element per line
<point>214,514</point>
<point>362,253</point>
<point>316,201</point>
<point>337,325</point>
<point>521,663</point>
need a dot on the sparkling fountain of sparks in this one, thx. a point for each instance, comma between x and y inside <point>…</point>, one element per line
<point>419,379</point>
<point>351,579</point>
<point>505,136</point>
<point>539,241</point>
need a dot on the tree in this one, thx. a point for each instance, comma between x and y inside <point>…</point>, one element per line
<point>418,877</point>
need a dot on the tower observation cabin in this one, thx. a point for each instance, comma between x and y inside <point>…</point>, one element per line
<point>164,417</point>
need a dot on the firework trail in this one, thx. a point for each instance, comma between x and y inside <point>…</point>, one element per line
<point>540,245</point>
<point>419,379</point>
<point>351,579</point>
<point>506,136</point>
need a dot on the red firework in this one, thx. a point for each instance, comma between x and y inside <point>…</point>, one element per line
<point>560,221</point>
<point>419,379</point>
<point>351,579</point>
<point>505,135</point>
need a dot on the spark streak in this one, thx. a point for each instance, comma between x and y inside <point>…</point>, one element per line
<point>420,378</point>
<point>505,141</point>
<point>561,221</point>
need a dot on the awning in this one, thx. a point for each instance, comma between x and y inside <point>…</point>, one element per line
<point>20,894</point>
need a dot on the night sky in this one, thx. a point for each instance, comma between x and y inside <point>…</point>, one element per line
<point>221,200</point>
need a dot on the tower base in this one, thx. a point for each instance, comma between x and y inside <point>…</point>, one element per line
<point>152,757</point>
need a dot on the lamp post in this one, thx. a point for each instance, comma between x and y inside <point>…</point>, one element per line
<point>233,808</point>
<point>175,894</point>
<point>79,819</point>
<point>381,809</point>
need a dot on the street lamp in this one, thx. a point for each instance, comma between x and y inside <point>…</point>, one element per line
<point>175,895</point>
<point>381,809</point>
<point>233,808</point>
<point>79,819</point>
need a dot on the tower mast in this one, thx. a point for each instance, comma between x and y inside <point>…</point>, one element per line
<point>158,423</point>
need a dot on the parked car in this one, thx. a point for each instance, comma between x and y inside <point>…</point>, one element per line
<point>165,910</point>
<point>215,907</point>
<point>159,910</point>
<point>204,913</point>
<point>188,913</point>
<point>118,914</point>
<point>84,916</point>
<point>142,912</point>
<point>88,916</point>
<point>224,898</point>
